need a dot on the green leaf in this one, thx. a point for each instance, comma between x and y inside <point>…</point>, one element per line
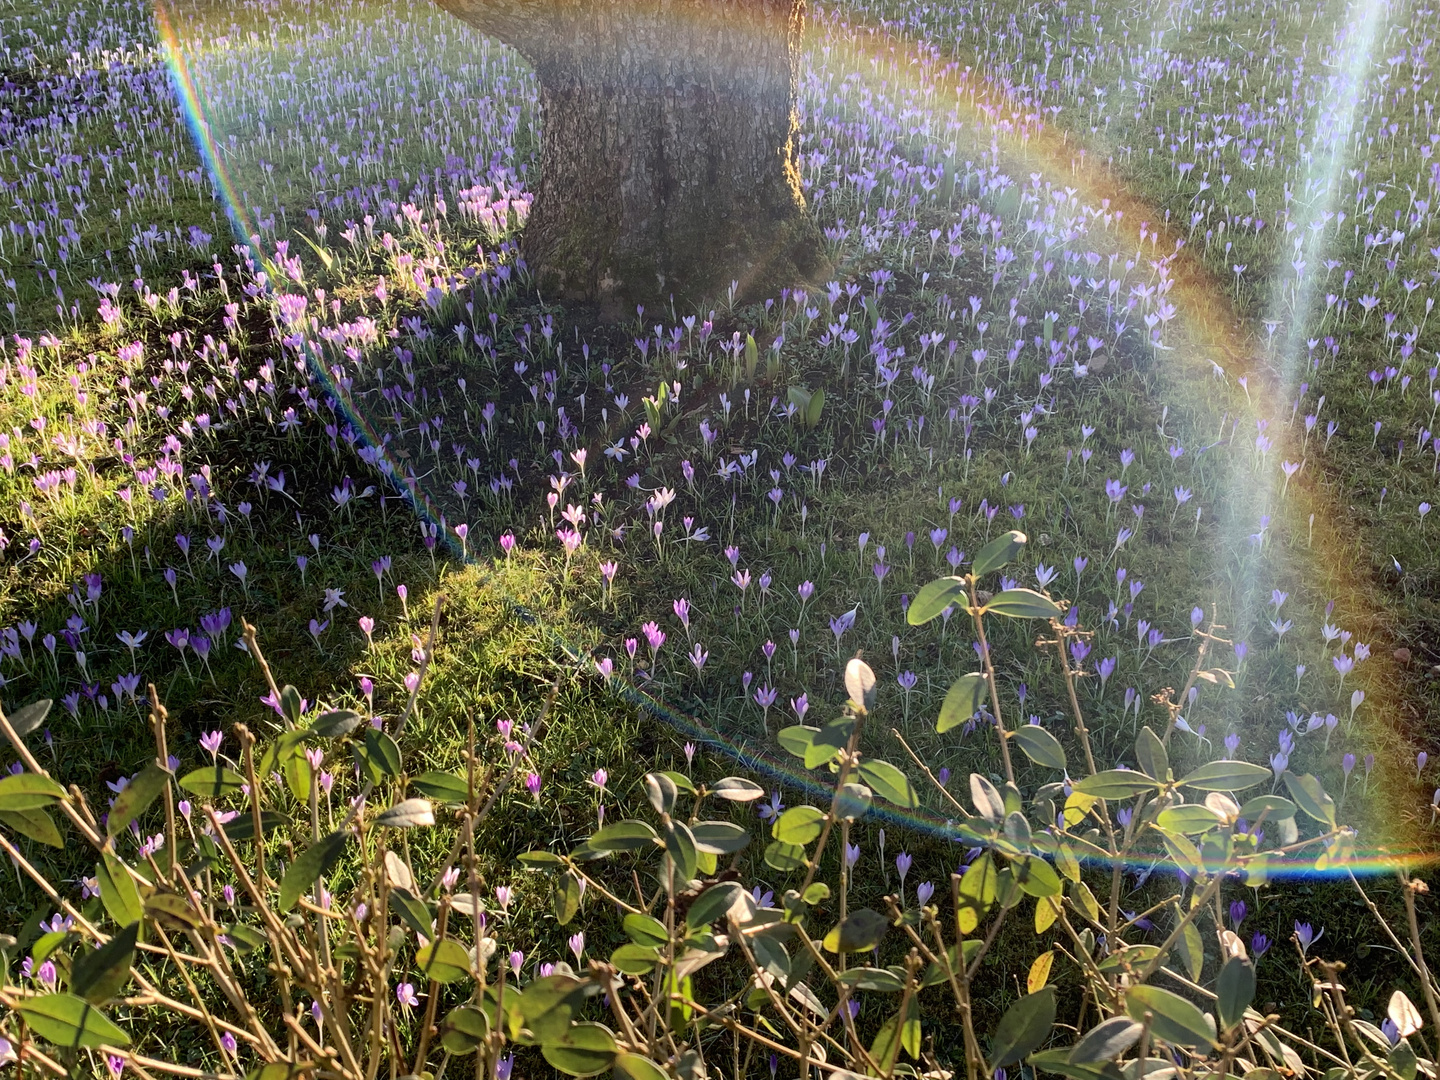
<point>565,897</point>
<point>97,975</point>
<point>963,701</point>
<point>1024,1028</point>
<point>901,1031</point>
<point>1174,1019</point>
<point>1023,604</point>
<point>1106,1041</point>
<point>858,931</point>
<point>1189,819</point>
<point>1036,876</point>
<point>444,960</point>
<point>853,801</point>
<point>680,846</point>
<point>1191,948</point>
<point>977,891</point>
<point>1226,776</point>
<point>719,837</point>
<point>315,860</point>
<point>737,789</point>
<point>463,1030</point>
<point>242,828</point>
<point>443,787</point>
<point>28,718</point>
<point>645,929</point>
<point>118,892</point>
<point>797,739</point>
<point>813,410</point>
<point>628,835</point>
<point>585,1050</point>
<point>712,904</point>
<point>1040,746</point>
<point>784,857</point>
<point>290,703</point>
<point>934,598</point>
<point>414,911</point>
<point>634,1067</point>
<point>1234,991</point>
<point>1151,755</point>
<point>661,791</point>
<point>136,798</point>
<point>998,552</point>
<point>989,803</point>
<point>1271,807</point>
<point>247,939</point>
<point>379,755</point>
<point>537,859</point>
<point>36,824</point>
<point>29,791</point>
<point>635,959</point>
<point>1116,784</point>
<point>681,782</point>
<point>408,814</point>
<point>548,1003</point>
<point>336,723</point>
<point>212,782</point>
<point>799,825</point>
<point>1310,797</point>
<point>878,980</point>
<point>890,784</point>
<point>66,1020</point>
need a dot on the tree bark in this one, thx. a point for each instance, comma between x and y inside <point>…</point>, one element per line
<point>668,145</point>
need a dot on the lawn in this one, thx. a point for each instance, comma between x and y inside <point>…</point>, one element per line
<point>1151,287</point>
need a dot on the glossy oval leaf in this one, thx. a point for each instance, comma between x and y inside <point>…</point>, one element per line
<point>1190,819</point>
<point>799,825</point>
<point>934,598</point>
<point>1310,796</point>
<point>97,975</point>
<point>1040,746</point>
<point>645,929</point>
<point>1023,604</point>
<point>635,959</point>
<point>28,718</point>
<point>315,860</point>
<point>212,782</point>
<point>67,1020</point>
<point>784,857</point>
<point>443,787</point>
<point>628,835</point>
<point>861,930</point>
<point>1106,1041</point>
<point>998,552</point>
<point>586,1049</point>
<point>119,894</point>
<point>719,837</point>
<point>35,824</point>
<point>336,723</point>
<point>29,791</point>
<point>962,701</point>
<point>635,1067</point>
<point>1116,784</point>
<point>1023,1029</point>
<point>1174,1019</point>
<point>408,814</point>
<point>1234,991</point>
<point>444,960</point>
<point>889,783</point>
<point>737,789</point>
<point>1226,776</point>
<point>713,904</point>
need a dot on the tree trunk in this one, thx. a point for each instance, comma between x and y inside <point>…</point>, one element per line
<point>668,145</point>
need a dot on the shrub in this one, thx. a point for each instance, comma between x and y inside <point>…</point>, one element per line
<point>401,971</point>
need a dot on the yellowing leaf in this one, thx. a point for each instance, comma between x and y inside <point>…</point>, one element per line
<point>1039,970</point>
<point>1047,910</point>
